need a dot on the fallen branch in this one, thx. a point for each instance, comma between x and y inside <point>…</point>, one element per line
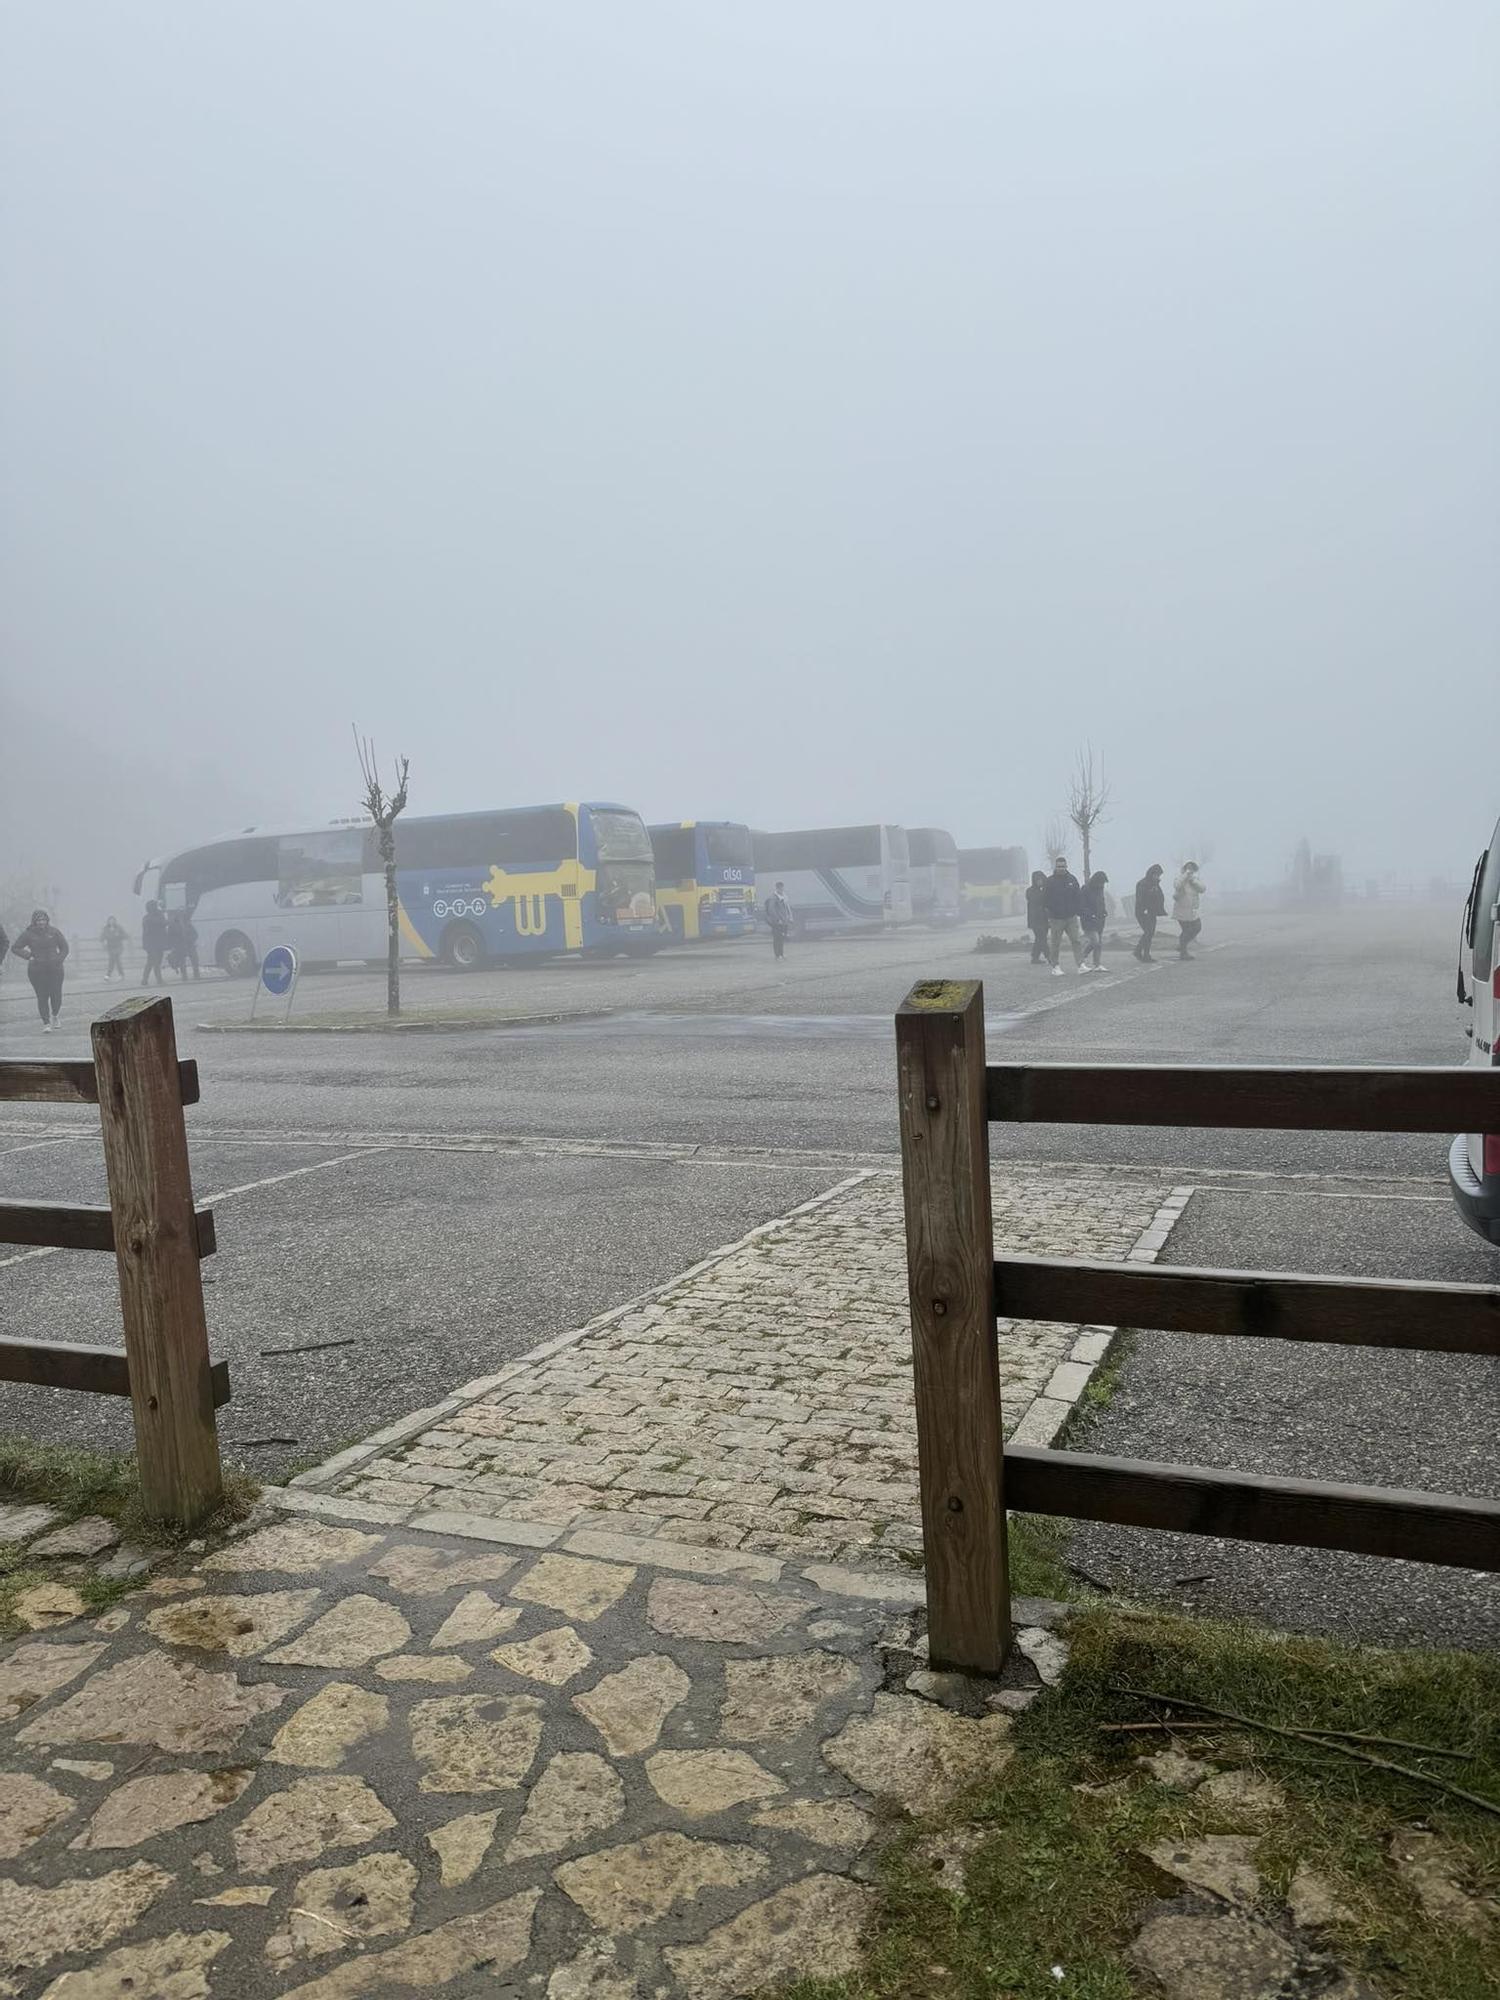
<point>1182,1728</point>
<point>1317,1742</point>
<point>312,1346</point>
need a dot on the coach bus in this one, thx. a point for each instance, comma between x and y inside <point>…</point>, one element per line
<point>992,881</point>
<point>934,876</point>
<point>838,878</point>
<point>472,888</point>
<point>705,879</point>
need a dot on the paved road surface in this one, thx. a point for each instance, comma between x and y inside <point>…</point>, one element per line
<point>527,1178</point>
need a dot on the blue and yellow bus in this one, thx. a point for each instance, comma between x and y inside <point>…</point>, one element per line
<point>473,888</point>
<point>705,879</point>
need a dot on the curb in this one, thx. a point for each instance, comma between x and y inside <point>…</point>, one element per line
<point>457,1026</point>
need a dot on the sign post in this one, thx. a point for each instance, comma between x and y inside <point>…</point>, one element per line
<point>278,977</point>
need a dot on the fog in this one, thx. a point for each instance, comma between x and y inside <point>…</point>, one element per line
<point>788,413</point>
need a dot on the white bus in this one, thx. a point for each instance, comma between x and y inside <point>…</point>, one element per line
<point>471,888</point>
<point>838,878</point>
<point>934,876</point>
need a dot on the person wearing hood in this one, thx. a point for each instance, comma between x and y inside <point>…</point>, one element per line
<point>1036,915</point>
<point>112,937</point>
<point>1063,898</point>
<point>44,948</point>
<point>1150,905</point>
<point>1093,914</point>
<point>1186,891</point>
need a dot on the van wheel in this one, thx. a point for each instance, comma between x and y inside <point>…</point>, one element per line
<point>235,955</point>
<point>463,947</point>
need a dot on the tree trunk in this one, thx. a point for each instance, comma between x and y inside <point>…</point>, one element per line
<point>392,924</point>
<point>1087,850</point>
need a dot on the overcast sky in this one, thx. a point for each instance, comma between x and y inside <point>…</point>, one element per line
<point>795,412</point>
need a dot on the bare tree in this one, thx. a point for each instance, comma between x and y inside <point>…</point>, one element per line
<point>1054,840</point>
<point>384,808</point>
<point>1088,803</point>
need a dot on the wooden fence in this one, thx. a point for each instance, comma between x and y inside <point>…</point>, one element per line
<point>157,1236</point>
<point>958,1290</point>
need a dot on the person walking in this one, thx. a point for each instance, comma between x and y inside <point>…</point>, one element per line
<point>182,944</point>
<point>112,937</point>
<point>4,944</point>
<point>1150,905</point>
<point>779,917</point>
<point>1036,915</point>
<point>153,942</point>
<point>1186,892</point>
<point>44,948</point>
<point>1093,914</point>
<point>1062,897</point>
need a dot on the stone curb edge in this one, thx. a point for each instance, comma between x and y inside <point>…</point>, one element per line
<point>399,1026</point>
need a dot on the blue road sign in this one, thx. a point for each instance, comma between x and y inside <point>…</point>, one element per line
<point>278,969</point>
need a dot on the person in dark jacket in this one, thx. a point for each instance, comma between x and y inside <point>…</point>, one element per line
<point>153,942</point>
<point>112,937</point>
<point>44,948</point>
<point>1063,899</point>
<point>4,944</point>
<point>1150,904</point>
<point>1036,915</point>
<point>182,944</point>
<point>1093,914</point>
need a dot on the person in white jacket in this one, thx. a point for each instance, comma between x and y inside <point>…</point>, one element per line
<point>1186,893</point>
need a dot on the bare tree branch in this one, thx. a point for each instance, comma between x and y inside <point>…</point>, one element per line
<point>1088,802</point>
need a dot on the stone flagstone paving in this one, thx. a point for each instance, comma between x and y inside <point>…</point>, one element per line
<point>759,1403</point>
<point>310,1768</point>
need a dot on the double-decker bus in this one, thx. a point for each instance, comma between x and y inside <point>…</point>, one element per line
<point>838,878</point>
<point>472,887</point>
<point>705,879</point>
<point>934,876</point>
<point>992,881</point>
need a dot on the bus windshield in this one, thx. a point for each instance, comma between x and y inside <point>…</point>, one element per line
<point>728,846</point>
<point>620,836</point>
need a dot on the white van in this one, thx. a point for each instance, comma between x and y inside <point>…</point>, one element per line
<point>1474,1158</point>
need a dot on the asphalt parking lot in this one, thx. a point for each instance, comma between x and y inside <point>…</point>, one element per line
<point>442,1201</point>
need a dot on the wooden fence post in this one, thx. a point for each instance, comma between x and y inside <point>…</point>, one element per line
<point>945,1165</point>
<point>156,1252</point>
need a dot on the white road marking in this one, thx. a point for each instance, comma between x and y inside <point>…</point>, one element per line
<point>224,1194</point>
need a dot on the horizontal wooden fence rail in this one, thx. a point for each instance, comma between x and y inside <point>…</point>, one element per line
<point>70,1364</point>
<point>67,1225</point>
<point>158,1237</point>
<point>1264,1099</point>
<point>1348,1312</point>
<point>73,1083</point>
<point>942,1079</point>
<point>1242,1507</point>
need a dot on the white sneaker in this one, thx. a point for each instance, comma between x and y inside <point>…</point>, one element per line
<point>46,1027</point>
<point>1057,972</point>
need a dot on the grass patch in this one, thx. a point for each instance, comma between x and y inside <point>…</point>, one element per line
<point>1058,1879</point>
<point>1037,1544</point>
<point>79,1482</point>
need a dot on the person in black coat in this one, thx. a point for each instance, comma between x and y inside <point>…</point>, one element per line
<point>1063,898</point>
<point>44,948</point>
<point>1036,915</point>
<point>153,942</point>
<point>1150,904</point>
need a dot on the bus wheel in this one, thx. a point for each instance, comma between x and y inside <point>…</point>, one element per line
<point>235,955</point>
<point>463,947</point>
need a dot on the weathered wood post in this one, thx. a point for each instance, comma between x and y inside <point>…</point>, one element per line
<point>156,1253</point>
<point>945,1165</point>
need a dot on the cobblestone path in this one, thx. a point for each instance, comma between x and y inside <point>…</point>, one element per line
<point>761,1403</point>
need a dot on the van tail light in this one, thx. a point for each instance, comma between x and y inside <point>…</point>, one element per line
<point>1491,1154</point>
